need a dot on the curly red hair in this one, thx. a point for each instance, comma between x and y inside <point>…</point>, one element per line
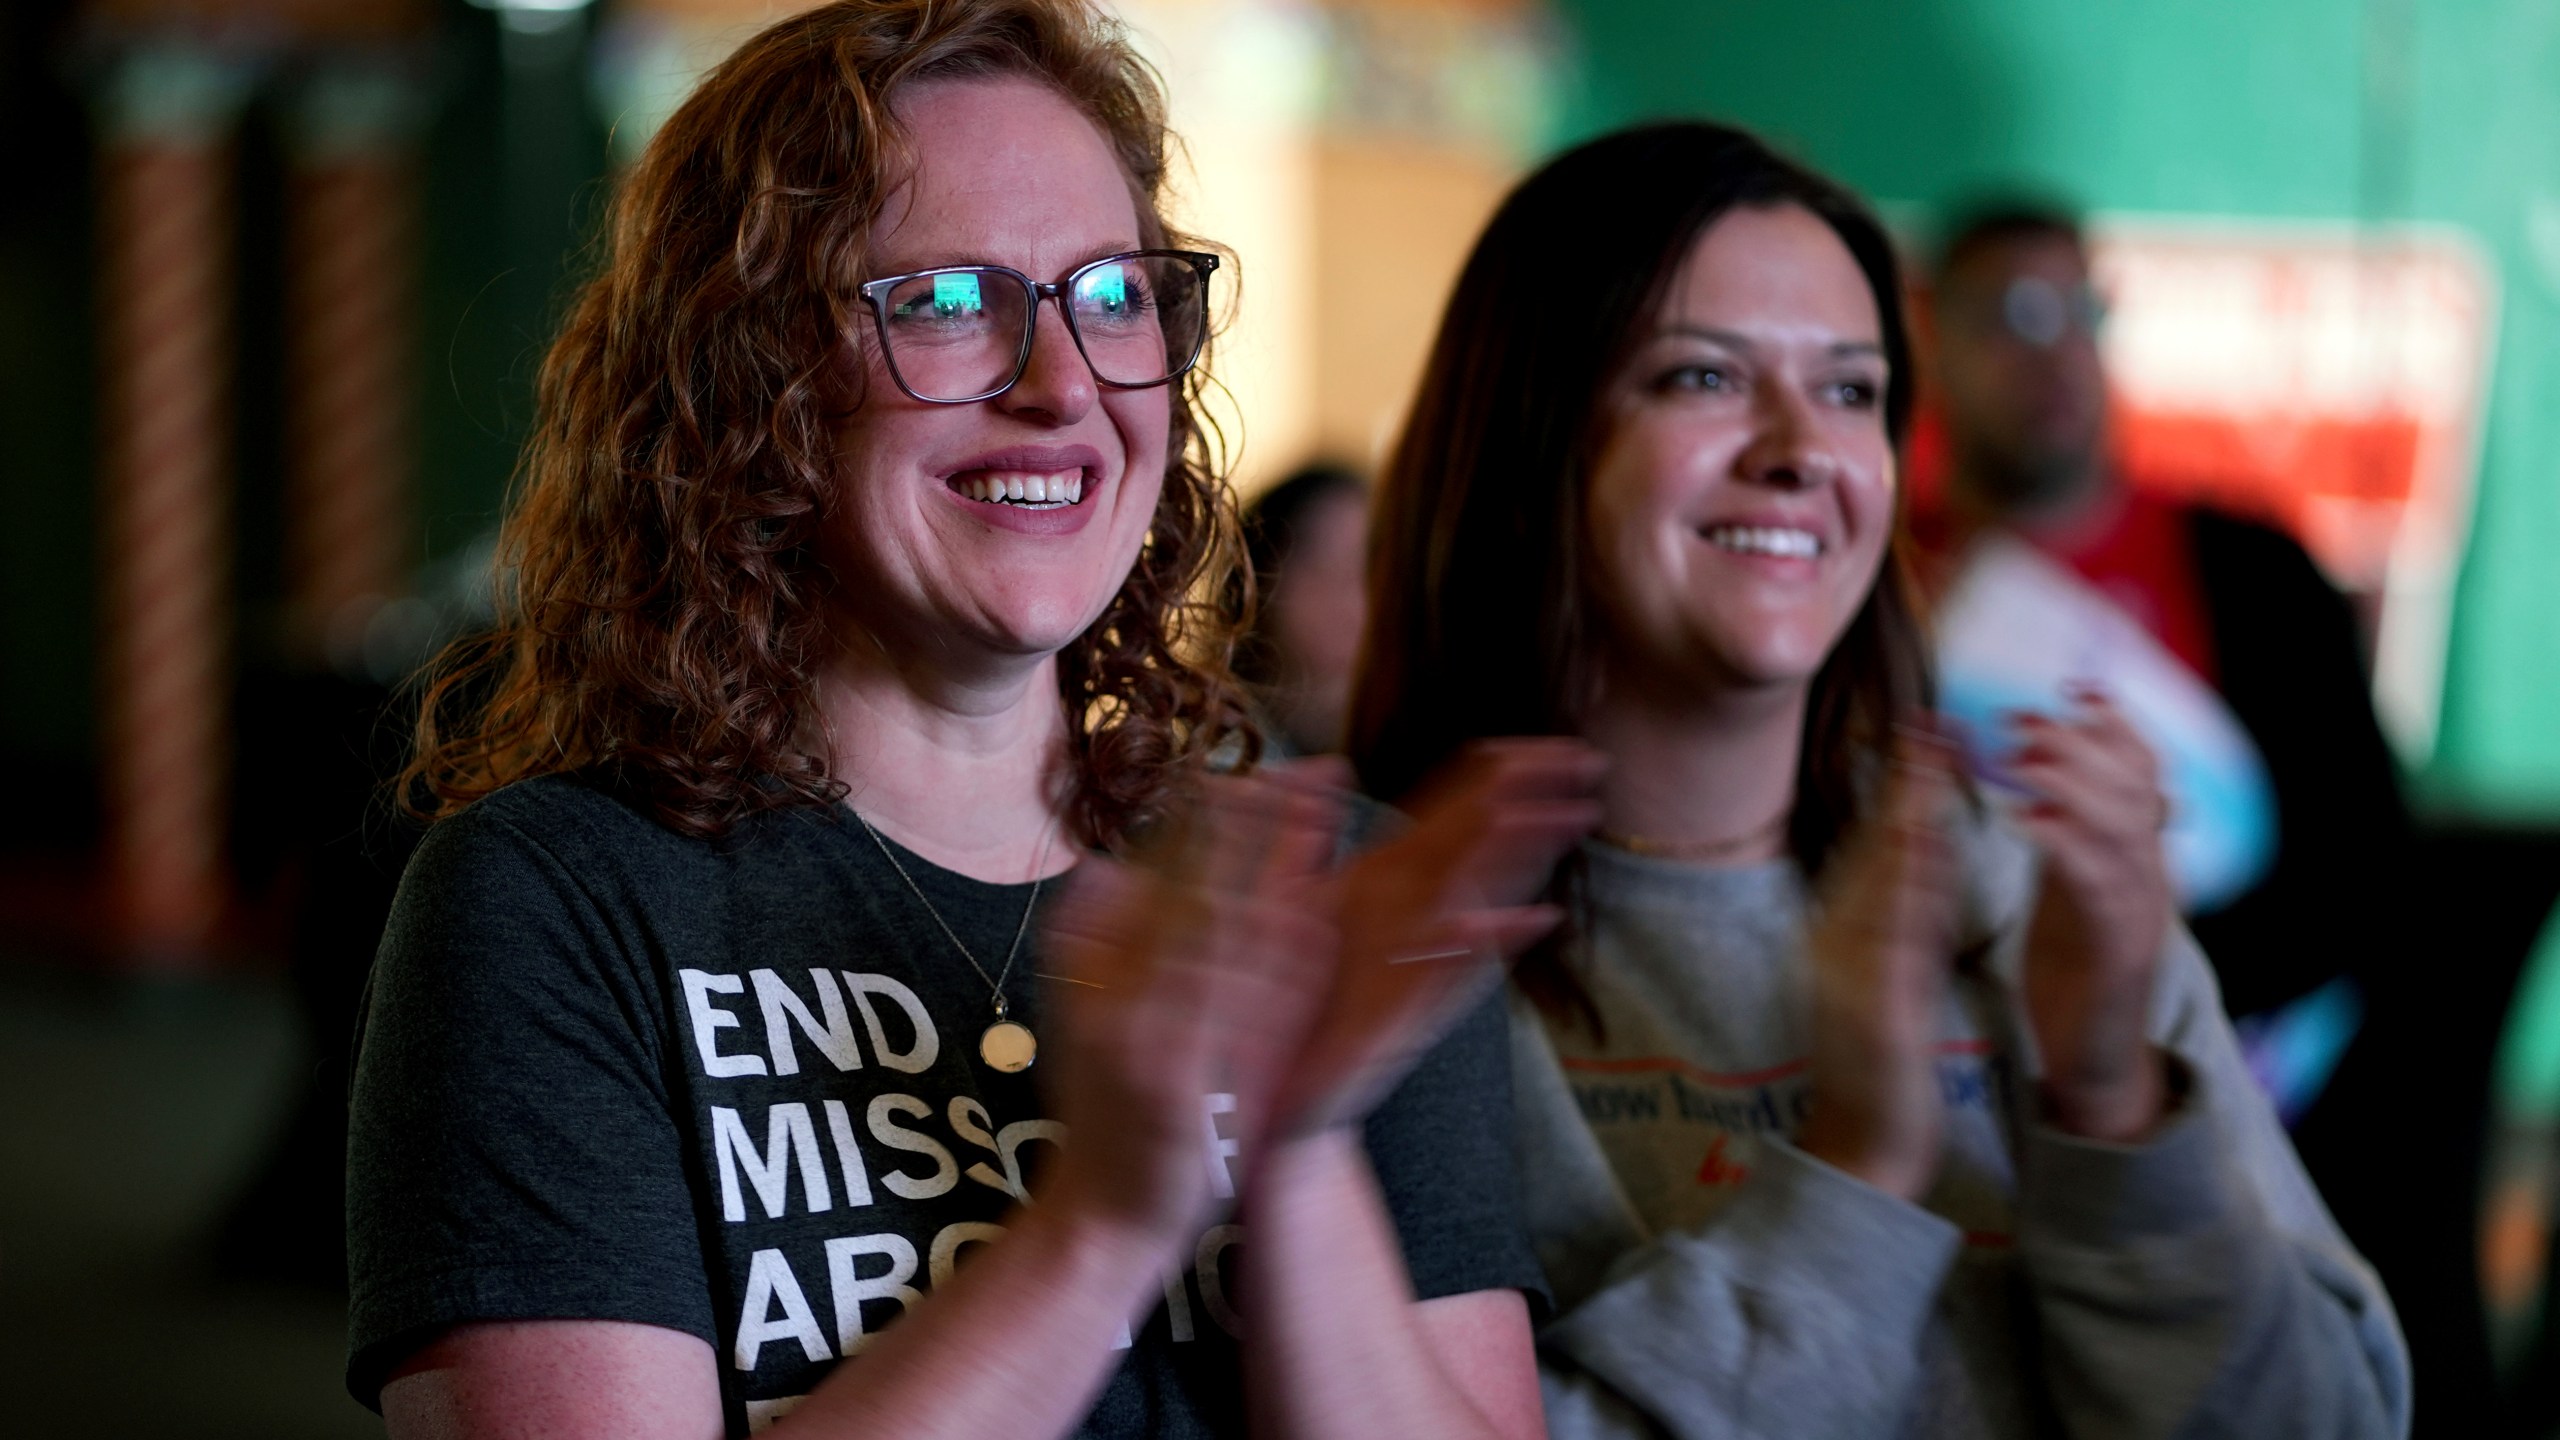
<point>665,605</point>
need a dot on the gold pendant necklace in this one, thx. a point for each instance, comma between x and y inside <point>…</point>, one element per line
<point>1696,850</point>
<point>1006,1045</point>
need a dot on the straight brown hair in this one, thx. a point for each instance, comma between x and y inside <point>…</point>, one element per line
<point>1482,620</point>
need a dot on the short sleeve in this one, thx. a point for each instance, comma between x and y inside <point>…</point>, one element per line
<point>512,1153</point>
<point>1447,1163</point>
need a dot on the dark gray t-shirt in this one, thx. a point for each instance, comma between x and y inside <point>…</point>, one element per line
<point>609,1072</point>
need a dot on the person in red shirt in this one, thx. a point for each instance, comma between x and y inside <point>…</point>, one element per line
<point>2021,390</point>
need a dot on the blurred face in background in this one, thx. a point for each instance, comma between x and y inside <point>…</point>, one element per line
<point>1313,618</point>
<point>1007,173</point>
<point>2018,373</point>
<point>1743,497</point>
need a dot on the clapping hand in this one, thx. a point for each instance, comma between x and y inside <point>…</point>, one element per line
<point>1428,918</point>
<point>1236,961</point>
<point>1192,973</point>
<point>1880,952</point>
<point>2103,908</point>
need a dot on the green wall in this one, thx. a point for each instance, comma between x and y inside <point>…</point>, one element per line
<point>2438,110</point>
<point>47,430</point>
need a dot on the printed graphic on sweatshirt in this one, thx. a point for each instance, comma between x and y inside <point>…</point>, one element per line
<point>1682,1138</point>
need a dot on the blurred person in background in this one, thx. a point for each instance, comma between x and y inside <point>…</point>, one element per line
<point>1849,1104</point>
<point>852,608</point>
<point>2245,669</point>
<point>1307,539</point>
<point>2244,664</point>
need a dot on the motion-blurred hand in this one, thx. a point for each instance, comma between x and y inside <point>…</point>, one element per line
<point>2103,907</point>
<point>1193,973</point>
<point>1880,954</point>
<point>1428,919</point>
<point>1234,962</point>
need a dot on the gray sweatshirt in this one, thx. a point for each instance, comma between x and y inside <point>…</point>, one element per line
<point>1712,1282</point>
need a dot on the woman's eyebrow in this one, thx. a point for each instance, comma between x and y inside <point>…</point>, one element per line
<point>1741,343</point>
<point>1729,339</point>
<point>978,259</point>
<point>957,260</point>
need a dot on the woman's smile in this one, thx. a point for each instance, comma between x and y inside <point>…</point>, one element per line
<point>1744,493</point>
<point>1769,542</point>
<point>1023,489</point>
<point>1031,490</point>
<point>1008,523</point>
<point>1777,542</point>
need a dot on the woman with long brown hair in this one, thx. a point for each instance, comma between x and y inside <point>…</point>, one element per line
<point>829,943</point>
<point>1964,1149</point>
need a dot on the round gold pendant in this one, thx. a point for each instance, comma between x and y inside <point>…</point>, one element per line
<point>1007,1046</point>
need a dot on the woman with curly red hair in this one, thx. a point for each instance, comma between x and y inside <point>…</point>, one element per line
<point>853,602</point>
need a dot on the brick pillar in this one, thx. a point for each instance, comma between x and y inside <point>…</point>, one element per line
<point>352,268</point>
<point>165,272</point>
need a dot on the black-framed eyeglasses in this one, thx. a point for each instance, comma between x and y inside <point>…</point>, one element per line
<point>963,333</point>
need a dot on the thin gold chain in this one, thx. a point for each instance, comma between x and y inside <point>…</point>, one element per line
<point>995,986</point>
<point>1695,849</point>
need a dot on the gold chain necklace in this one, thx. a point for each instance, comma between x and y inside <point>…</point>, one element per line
<point>1008,1044</point>
<point>1694,850</point>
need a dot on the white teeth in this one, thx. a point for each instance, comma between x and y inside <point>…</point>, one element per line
<point>1785,542</point>
<point>1024,488</point>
